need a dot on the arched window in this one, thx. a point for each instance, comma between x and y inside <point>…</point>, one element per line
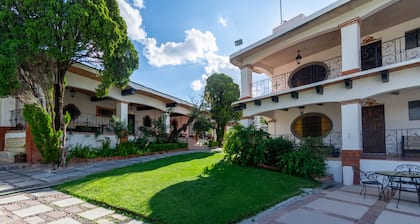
<point>311,125</point>
<point>308,73</point>
<point>147,122</point>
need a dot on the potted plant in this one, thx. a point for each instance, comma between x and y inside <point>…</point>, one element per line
<point>20,158</point>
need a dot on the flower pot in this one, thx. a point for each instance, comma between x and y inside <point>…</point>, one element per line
<point>20,158</point>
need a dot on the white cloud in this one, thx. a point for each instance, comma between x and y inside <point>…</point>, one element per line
<point>193,49</point>
<point>197,85</point>
<point>223,21</point>
<point>198,46</point>
<point>133,20</point>
<point>139,4</point>
<point>216,64</point>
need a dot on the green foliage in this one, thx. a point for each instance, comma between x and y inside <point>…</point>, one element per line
<point>220,92</point>
<point>245,146</point>
<point>154,147</point>
<point>213,144</point>
<point>201,125</point>
<point>275,148</point>
<point>159,126</point>
<point>46,141</point>
<point>306,161</point>
<point>119,127</point>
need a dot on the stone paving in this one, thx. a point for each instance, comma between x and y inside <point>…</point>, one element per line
<point>51,206</point>
<point>341,205</point>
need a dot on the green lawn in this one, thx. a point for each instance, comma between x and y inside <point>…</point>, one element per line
<point>192,188</point>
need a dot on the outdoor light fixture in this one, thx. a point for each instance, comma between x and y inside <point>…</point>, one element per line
<point>301,110</point>
<point>72,92</point>
<point>298,57</point>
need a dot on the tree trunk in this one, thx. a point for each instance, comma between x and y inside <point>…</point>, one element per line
<point>173,136</point>
<point>58,121</point>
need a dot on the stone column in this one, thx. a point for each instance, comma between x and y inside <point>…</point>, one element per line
<point>350,46</point>
<point>246,82</point>
<point>351,129</point>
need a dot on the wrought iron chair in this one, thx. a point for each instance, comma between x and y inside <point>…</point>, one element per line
<point>368,179</point>
<point>406,179</point>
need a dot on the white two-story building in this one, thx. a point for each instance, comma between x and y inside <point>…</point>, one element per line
<point>349,73</point>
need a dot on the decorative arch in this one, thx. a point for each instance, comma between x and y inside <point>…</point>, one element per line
<point>311,125</point>
<point>308,73</point>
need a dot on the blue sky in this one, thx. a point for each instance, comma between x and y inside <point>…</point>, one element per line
<point>181,42</point>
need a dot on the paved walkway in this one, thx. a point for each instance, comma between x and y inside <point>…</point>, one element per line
<point>26,198</point>
<point>341,205</point>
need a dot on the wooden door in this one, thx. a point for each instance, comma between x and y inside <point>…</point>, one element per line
<point>373,129</point>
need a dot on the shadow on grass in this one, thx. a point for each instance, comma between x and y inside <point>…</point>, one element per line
<point>224,193</point>
<point>142,167</point>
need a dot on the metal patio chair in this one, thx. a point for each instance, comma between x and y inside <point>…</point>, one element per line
<point>368,179</point>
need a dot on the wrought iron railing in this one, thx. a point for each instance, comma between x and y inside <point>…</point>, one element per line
<point>280,82</point>
<point>394,51</point>
<point>16,118</point>
<point>90,123</point>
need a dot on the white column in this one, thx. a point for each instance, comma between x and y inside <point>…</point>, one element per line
<point>246,81</point>
<point>168,122</point>
<point>122,111</point>
<point>247,121</point>
<point>351,125</point>
<point>350,46</point>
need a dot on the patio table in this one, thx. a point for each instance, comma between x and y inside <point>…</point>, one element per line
<point>389,177</point>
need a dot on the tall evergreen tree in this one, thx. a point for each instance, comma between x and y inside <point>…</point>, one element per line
<point>220,93</point>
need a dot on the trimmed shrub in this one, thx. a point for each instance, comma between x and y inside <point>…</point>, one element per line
<point>166,146</point>
<point>275,148</point>
<point>306,161</point>
<point>245,146</point>
<point>213,144</point>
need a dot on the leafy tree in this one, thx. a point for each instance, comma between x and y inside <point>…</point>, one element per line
<point>202,125</point>
<point>220,93</point>
<point>40,40</point>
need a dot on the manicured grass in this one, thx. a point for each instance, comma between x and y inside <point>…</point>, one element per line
<point>192,188</point>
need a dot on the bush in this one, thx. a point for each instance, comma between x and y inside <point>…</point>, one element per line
<point>154,147</point>
<point>275,148</point>
<point>213,144</point>
<point>245,146</point>
<point>306,161</point>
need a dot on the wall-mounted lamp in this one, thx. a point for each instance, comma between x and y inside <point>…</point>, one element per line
<point>301,110</point>
<point>298,57</point>
<point>72,92</point>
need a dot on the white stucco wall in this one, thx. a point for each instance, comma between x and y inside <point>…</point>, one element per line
<point>6,105</point>
<point>88,139</point>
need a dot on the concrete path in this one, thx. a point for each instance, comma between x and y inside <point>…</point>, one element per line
<point>341,205</point>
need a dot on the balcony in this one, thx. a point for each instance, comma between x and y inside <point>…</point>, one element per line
<point>391,52</point>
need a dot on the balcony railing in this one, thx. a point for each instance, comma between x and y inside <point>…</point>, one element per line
<point>90,123</point>
<point>393,51</point>
<point>280,82</point>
